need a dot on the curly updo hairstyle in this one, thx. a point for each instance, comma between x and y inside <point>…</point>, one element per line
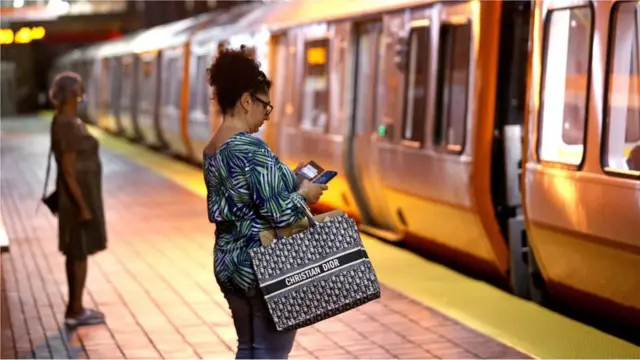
<point>232,74</point>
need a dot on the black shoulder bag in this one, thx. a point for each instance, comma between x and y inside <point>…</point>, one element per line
<point>51,200</point>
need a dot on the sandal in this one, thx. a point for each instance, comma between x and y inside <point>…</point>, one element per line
<point>88,317</point>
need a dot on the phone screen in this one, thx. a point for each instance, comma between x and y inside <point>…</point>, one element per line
<point>325,177</point>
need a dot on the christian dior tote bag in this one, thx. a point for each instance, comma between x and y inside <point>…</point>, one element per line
<point>315,274</point>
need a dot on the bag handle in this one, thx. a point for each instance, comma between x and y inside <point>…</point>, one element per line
<point>307,213</point>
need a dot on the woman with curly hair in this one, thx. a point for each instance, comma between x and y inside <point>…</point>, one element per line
<point>248,190</point>
<point>81,225</point>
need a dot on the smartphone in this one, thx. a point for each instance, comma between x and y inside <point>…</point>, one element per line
<point>311,170</point>
<point>325,177</point>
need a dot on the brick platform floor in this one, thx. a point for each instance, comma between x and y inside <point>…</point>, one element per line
<point>155,281</point>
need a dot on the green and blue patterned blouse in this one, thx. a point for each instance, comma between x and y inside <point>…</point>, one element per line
<point>248,190</point>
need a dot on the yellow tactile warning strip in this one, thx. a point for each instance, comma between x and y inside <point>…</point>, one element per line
<point>521,324</point>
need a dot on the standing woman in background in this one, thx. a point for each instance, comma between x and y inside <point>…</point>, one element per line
<point>81,225</point>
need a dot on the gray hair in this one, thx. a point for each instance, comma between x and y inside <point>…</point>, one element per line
<point>65,85</point>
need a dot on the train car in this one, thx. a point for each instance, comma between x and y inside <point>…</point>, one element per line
<point>581,194</point>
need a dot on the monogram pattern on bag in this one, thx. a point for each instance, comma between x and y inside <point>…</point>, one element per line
<point>323,298</point>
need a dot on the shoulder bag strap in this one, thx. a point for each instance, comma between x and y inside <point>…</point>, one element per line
<point>46,178</point>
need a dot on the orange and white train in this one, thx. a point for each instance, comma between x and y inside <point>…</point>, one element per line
<point>497,134</point>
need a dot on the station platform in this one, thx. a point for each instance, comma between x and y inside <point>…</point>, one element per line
<point>156,286</point>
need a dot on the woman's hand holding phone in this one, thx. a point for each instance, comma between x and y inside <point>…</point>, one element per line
<point>311,191</point>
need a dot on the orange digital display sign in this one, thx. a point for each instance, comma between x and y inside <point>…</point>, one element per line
<point>316,56</point>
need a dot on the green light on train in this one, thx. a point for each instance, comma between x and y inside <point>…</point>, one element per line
<point>382,130</point>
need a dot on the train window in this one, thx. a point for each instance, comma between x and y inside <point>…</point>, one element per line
<point>199,100</point>
<point>147,85</point>
<point>127,83</point>
<point>565,85</point>
<point>453,86</point>
<point>172,81</point>
<point>623,110</point>
<point>105,92</point>
<point>116,82</point>
<point>415,107</point>
<point>315,85</point>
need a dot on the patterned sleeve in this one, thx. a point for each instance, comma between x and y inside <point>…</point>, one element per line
<point>269,191</point>
<point>69,135</point>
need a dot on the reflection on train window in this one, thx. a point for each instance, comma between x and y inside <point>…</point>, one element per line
<point>315,96</point>
<point>200,97</point>
<point>565,85</point>
<point>453,87</point>
<point>623,117</point>
<point>415,108</point>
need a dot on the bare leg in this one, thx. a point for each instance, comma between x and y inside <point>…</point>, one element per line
<point>77,314</point>
<point>76,279</point>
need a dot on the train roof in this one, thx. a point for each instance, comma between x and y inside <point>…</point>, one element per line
<point>271,16</point>
<point>275,16</point>
<point>298,13</point>
<point>178,33</point>
<point>246,20</point>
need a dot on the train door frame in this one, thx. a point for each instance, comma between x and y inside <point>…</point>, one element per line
<point>361,125</point>
<point>132,132</point>
<point>215,114</point>
<point>508,144</point>
<point>204,121</point>
<point>150,136</point>
<point>170,101</point>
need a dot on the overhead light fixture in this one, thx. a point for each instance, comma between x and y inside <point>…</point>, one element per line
<point>58,7</point>
<point>18,3</point>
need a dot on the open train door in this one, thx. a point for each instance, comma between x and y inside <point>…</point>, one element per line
<point>506,168</point>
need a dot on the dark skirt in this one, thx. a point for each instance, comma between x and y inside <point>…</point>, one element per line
<point>78,240</point>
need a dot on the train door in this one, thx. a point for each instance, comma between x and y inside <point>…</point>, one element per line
<point>362,126</point>
<point>148,97</point>
<point>169,126</point>
<point>506,162</point>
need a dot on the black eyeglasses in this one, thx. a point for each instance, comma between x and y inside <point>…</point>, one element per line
<point>267,105</point>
